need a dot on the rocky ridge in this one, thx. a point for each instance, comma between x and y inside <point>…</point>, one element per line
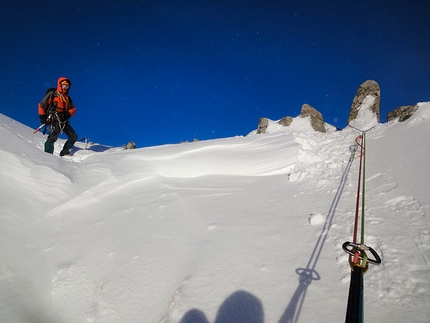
<point>368,90</point>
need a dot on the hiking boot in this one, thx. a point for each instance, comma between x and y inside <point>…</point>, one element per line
<point>64,153</point>
<point>49,147</point>
<point>66,148</point>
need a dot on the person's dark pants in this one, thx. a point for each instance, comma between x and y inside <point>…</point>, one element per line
<point>53,136</point>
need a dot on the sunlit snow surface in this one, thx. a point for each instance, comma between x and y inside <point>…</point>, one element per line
<point>244,229</point>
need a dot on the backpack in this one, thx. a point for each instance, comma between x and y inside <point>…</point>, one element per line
<point>51,89</point>
<point>50,108</point>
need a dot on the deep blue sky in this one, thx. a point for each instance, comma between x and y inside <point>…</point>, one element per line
<point>161,71</point>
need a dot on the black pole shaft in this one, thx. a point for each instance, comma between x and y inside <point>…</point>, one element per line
<point>355,297</point>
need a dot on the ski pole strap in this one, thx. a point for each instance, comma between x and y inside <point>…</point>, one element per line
<point>358,255</point>
<point>360,129</point>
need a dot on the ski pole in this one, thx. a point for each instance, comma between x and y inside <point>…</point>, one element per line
<point>40,127</point>
<point>86,141</point>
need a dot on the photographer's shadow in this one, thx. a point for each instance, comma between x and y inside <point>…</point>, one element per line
<point>240,307</point>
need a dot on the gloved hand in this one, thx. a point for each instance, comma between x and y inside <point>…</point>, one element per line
<point>42,118</point>
<point>64,116</point>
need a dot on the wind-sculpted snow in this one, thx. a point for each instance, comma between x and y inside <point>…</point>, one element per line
<point>248,229</point>
<point>249,156</point>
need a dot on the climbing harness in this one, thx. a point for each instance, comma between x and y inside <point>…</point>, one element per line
<point>359,259</point>
<point>62,124</point>
<point>52,119</point>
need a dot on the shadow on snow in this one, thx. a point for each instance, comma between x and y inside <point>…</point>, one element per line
<point>243,307</point>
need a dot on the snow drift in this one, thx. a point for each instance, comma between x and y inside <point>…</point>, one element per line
<point>214,231</point>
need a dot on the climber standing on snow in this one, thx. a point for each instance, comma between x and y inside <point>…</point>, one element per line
<point>55,110</point>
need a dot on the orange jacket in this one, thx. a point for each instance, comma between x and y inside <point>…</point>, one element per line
<point>61,100</point>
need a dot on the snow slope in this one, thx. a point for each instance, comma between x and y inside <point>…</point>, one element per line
<point>245,229</point>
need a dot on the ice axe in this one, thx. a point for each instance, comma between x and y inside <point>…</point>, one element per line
<point>38,128</point>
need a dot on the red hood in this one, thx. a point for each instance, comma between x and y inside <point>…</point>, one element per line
<point>61,79</point>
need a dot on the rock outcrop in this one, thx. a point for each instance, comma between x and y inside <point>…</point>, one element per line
<point>285,121</point>
<point>317,121</point>
<point>369,87</point>
<point>129,145</point>
<point>368,96</point>
<point>403,113</point>
<point>263,123</point>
